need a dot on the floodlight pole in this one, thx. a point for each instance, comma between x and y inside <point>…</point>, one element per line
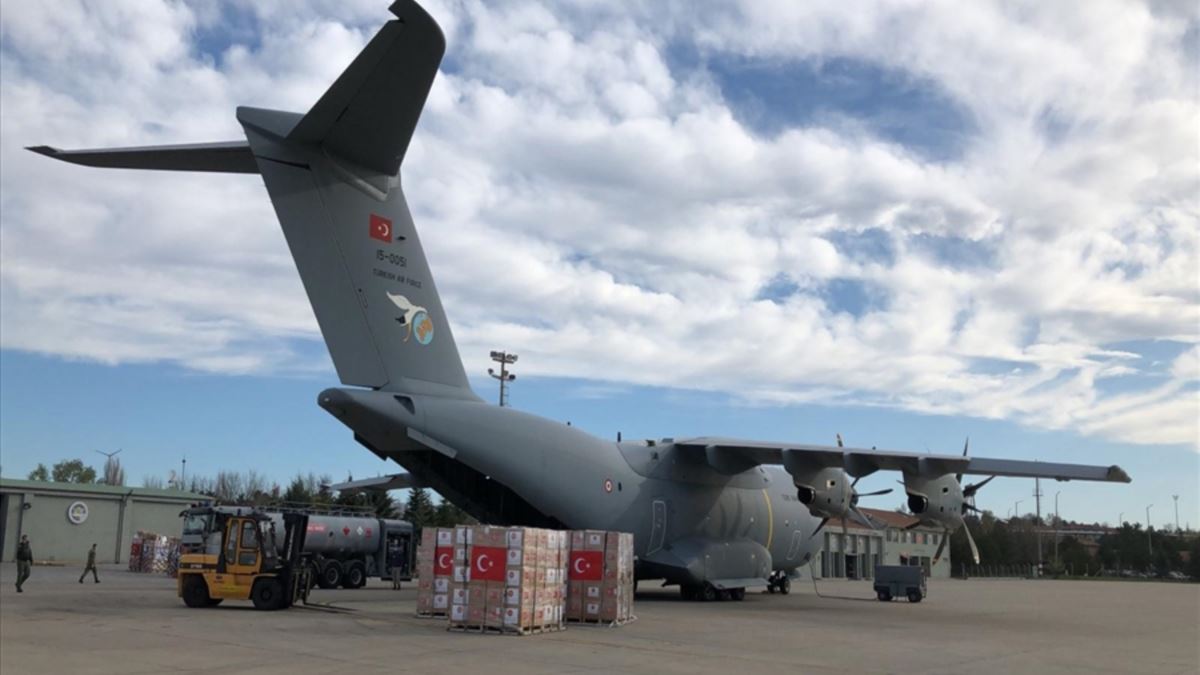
<point>1176,498</point>
<point>504,359</point>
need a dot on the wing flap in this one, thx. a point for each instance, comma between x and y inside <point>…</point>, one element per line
<point>721,453</point>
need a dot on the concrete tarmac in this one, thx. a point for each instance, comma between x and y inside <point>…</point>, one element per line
<point>133,623</point>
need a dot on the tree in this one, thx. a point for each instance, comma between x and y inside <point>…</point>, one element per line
<point>114,474</point>
<point>155,482</point>
<point>449,515</point>
<point>419,509</point>
<point>73,471</point>
<point>40,473</point>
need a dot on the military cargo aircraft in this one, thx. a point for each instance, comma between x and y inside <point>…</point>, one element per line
<point>713,515</point>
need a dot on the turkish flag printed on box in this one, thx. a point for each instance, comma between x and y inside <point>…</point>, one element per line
<point>487,563</point>
<point>381,228</point>
<point>443,561</point>
<point>586,565</point>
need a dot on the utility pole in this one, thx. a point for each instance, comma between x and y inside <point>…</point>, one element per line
<point>1037,495</point>
<point>1176,498</point>
<point>504,359</point>
<point>1149,542</point>
<point>1057,525</point>
<point>1017,508</point>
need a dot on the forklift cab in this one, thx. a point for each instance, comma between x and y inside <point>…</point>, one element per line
<point>250,564</point>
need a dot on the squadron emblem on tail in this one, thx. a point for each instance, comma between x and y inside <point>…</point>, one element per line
<point>414,317</point>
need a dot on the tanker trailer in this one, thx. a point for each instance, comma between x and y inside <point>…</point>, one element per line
<point>345,549</point>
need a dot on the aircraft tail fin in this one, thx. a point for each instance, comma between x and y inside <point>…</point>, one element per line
<point>333,178</point>
<point>368,115</point>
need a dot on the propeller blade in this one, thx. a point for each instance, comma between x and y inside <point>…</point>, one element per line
<point>876,493</point>
<point>864,518</point>
<point>820,526</point>
<point>913,526</point>
<point>971,507</point>
<point>971,540</point>
<point>965,445</point>
<point>839,439</point>
<point>941,546</point>
<point>970,490</point>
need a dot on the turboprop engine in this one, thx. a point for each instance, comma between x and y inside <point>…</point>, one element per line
<point>828,493</point>
<point>942,500</point>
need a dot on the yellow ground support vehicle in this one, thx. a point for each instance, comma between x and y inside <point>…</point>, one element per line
<point>248,564</point>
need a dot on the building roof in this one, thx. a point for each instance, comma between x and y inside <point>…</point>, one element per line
<point>17,485</point>
<point>892,519</point>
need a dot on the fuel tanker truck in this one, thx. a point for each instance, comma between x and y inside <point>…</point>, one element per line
<point>344,549</point>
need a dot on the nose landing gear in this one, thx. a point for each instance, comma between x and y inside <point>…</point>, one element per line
<point>779,582</point>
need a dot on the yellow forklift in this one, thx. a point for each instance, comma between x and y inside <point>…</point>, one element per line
<point>248,562</point>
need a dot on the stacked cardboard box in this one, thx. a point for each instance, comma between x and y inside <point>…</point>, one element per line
<point>600,577</point>
<point>435,568</point>
<point>508,579</point>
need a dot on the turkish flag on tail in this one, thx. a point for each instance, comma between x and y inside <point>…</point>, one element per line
<point>586,565</point>
<point>487,563</point>
<point>381,228</point>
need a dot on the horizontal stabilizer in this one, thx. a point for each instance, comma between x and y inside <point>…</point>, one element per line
<point>230,157</point>
<point>369,114</point>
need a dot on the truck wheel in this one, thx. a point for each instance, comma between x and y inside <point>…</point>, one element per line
<point>356,575</point>
<point>709,593</point>
<point>737,594</point>
<point>884,596</point>
<point>785,585</point>
<point>914,596</point>
<point>195,592</point>
<point>331,574</point>
<point>267,594</point>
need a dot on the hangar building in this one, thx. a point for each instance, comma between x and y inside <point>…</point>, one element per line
<point>64,519</point>
<point>855,554</point>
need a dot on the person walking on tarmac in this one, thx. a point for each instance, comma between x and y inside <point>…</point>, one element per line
<point>91,565</point>
<point>24,561</point>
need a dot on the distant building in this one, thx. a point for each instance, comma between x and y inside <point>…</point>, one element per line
<point>855,554</point>
<point>64,519</point>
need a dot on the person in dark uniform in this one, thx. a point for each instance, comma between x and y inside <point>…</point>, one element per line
<point>24,561</point>
<point>91,566</point>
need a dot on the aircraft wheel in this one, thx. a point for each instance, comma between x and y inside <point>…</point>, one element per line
<point>267,594</point>
<point>709,593</point>
<point>331,574</point>
<point>725,594</point>
<point>195,592</point>
<point>688,592</point>
<point>737,594</point>
<point>785,585</point>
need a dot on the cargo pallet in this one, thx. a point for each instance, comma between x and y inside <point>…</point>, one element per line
<point>603,622</point>
<point>505,630</point>
<point>432,615</point>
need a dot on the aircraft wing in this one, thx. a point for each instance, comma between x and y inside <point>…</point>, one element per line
<point>396,481</point>
<point>728,455</point>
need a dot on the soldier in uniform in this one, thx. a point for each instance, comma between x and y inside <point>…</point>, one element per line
<point>24,561</point>
<point>91,565</point>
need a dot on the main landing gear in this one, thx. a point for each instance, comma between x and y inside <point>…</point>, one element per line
<point>709,593</point>
<point>779,582</point>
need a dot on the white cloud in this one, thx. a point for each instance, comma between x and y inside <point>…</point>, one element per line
<point>639,219</point>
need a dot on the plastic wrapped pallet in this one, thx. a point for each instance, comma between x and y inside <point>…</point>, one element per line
<point>135,553</point>
<point>510,580</point>
<point>435,569</point>
<point>600,577</point>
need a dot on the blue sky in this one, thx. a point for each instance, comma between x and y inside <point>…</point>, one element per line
<point>767,221</point>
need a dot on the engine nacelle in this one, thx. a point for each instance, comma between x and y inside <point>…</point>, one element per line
<point>938,499</point>
<point>826,492</point>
